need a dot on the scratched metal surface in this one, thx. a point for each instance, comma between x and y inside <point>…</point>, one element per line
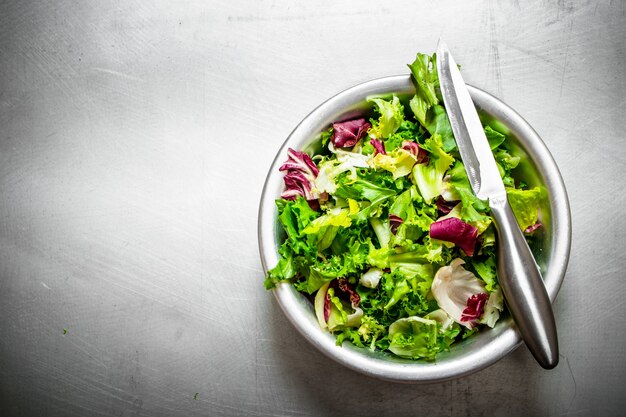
<point>135,137</point>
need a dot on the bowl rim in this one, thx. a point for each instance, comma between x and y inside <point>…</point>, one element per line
<point>482,351</point>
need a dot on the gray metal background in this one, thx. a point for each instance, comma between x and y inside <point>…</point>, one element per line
<point>134,140</point>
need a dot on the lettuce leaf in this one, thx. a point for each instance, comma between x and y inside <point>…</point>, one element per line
<point>494,137</point>
<point>399,162</point>
<point>437,123</point>
<point>325,228</point>
<point>331,169</point>
<point>342,314</point>
<point>416,223</point>
<point>506,163</point>
<point>285,270</point>
<point>429,177</point>
<point>370,330</point>
<point>316,272</point>
<point>294,216</point>
<point>471,209</point>
<point>365,189</point>
<point>486,270</point>
<point>424,71</point>
<point>458,291</point>
<point>408,131</point>
<point>414,337</point>
<point>495,304</point>
<point>391,117</point>
<point>382,229</point>
<point>399,293</point>
<point>425,103</point>
<point>525,205</point>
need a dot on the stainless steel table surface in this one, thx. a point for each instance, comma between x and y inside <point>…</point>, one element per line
<point>135,137</point>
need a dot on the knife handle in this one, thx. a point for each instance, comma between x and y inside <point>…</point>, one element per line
<point>523,287</point>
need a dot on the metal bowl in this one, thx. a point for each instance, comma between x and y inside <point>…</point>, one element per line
<point>551,250</point>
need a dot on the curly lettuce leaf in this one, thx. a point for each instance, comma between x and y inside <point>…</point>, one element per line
<point>294,216</point>
<point>370,331</point>
<point>285,270</point>
<point>506,163</point>
<point>399,162</point>
<point>354,240</point>
<point>350,334</point>
<point>324,228</point>
<point>429,177</point>
<point>417,218</point>
<point>331,169</point>
<point>400,293</point>
<point>382,229</point>
<point>372,191</point>
<point>411,285</point>
<point>408,131</point>
<point>424,71</point>
<point>342,315</point>
<point>525,205</point>
<point>430,251</point>
<point>437,123</point>
<point>332,251</point>
<point>494,137</point>
<point>471,209</point>
<point>391,117</point>
<point>486,270</point>
<point>317,272</point>
<point>414,337</point>
<point>425,104</point>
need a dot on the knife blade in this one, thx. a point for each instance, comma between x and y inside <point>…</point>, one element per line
<point>518,274</point>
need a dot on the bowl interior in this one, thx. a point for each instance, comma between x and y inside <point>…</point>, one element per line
<point>551,249</point>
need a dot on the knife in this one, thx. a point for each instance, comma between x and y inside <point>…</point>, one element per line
<point>518,273</point>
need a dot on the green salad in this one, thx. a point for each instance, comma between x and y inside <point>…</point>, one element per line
<point>383,231</point>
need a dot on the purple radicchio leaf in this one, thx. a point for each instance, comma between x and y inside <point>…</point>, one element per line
<point>475,307</point>
<point>347,134</point>
<point>300,161</point>
<point>297,184</point>
<point>395,222</point>
<point>344,285</point>
<point>301,173</point>
<point>378,146</point>
<point>530,229</point>
<point>456,231</point>
<point>421,156</point>
<point>326,307</point>
<point>445,206</point>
